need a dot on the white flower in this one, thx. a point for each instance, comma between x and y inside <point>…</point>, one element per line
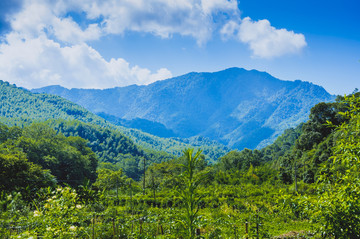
<point>72,228</point>
<point>37,213</point>
<point>78,206</point>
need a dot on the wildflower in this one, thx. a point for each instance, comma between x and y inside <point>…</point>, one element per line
<point>78,206</point>
<point>48,229</point>
<point>72,228</point>
<point>37,213</point>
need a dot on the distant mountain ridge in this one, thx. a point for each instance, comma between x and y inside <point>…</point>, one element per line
<point>236,107</point>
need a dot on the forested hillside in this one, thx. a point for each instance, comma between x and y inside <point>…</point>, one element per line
<point>24,105</point>
<point>111,143</point>
<point>239,108</point>
<point>304,185</point>
<point>36,156</point>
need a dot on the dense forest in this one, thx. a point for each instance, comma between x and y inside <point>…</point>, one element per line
<point>66,179</point>
<point>20,107</point>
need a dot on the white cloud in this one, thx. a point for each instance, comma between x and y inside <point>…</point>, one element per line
<point>264,40</point>
<point>38,62</point>
<point>32,20</point>
<point>40,18</point>
<point>47,46</point>
<point>67,30</point>
<point>194,18</point>
<point>160,17</point>
<point>229,30</point>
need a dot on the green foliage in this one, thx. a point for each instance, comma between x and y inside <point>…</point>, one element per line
<point>69,159</point>
<point>109,179</point>
<point>21,103</point>
<point>39,147</point>
<point>338,204</point>
<point>315,130</point>
<point>107,209</point>
<point>174,146</point>
<point>111,143</point>
<point>313,146</point>
<point>284,143</point>
<point>242,160</point>
<point>189,191</point>
<point>306,182</point>
<point>18,174</point>
<point>60,215</point>
<point>107,143</point>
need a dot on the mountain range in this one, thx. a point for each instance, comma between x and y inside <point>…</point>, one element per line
<point>236,107</point>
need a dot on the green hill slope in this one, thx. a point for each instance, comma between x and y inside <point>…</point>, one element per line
<point>21,107</point>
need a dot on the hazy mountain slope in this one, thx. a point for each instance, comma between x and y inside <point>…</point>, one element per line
<point>20,106</point>
<point>236,107</point>
<point>151,127</point>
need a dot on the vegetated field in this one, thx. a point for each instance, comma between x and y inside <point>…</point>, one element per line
<point>225,211</point>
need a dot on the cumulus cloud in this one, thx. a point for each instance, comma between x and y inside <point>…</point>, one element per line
<point>163,18</point>
<point>38,62</point>
<point>41,18</point>
<point>264,40</point>
<point>160,17</point>
<point>47,46</point>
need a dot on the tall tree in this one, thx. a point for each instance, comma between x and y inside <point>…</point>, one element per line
<point>338,206</point>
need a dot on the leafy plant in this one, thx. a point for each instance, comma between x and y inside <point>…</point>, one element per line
<point>189,192</point>
<point>338,204</point>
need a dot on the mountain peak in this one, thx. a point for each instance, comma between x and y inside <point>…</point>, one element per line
<point>238,107</point>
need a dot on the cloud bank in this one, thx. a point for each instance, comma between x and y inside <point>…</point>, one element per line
<point>264,40</point>
<point>38,62</point>
<point>48,45</point>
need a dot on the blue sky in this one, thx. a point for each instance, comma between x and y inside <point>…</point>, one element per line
<point>108,43</point>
